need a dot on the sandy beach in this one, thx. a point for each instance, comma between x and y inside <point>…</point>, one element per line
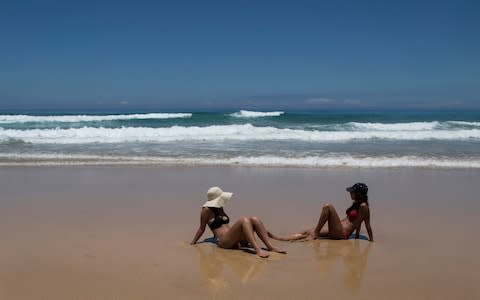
<point>122,232</point>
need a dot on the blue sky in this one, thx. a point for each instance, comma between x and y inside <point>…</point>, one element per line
<point>264,55</point>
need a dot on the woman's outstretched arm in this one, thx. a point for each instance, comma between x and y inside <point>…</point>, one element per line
<point>201,227</point>
<point>365,213</point>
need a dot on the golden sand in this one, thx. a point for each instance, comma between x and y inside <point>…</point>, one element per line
<point>123,233</point>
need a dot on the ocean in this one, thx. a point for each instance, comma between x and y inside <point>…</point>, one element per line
<point>250,138</point>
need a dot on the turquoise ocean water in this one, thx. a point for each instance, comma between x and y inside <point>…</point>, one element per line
<point>274,138</point>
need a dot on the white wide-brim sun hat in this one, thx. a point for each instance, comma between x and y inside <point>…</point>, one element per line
<point>216,197</point>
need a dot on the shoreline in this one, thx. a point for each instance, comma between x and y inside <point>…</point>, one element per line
<point>167,162</point>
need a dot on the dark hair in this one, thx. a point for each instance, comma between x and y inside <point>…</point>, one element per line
<point>359,199</point>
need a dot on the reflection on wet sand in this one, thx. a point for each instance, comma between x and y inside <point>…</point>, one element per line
<point>217,264</point>
<point>327,253</point>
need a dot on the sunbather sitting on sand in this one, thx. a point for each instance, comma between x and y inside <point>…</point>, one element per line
<point>230,237</point>
<point>337,229</point>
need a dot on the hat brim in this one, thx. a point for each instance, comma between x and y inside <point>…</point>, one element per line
<point>220,201</point>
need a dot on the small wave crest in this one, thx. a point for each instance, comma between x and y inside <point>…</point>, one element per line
<point>89,118</point>
<point>256,114</point>
<point>412,126</point>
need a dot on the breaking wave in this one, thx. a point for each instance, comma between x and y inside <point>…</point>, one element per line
<point>245,132</point>
<point>256,114</point>
<point>89,118</point>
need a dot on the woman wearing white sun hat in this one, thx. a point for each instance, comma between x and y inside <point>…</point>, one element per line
<point>230,237</point>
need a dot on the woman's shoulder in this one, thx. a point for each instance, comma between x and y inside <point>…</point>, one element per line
<point>205,211</point>
<point>364,207</point>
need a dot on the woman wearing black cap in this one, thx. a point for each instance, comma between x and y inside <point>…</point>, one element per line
<point>337,229</point>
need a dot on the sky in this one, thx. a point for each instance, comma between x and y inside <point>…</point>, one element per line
<point>210,55</point>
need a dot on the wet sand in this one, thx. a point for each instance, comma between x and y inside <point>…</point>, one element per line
<point>122,232</point>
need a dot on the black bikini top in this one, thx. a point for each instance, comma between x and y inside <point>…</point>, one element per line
<point>219,219</point>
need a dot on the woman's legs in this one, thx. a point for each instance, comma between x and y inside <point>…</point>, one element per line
<point>335,228</point>
<point>303,236</point>
<point>263,234</point>
<point>243,230</point>
<point>334,231</point>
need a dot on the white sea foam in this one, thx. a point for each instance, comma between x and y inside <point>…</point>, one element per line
<point>256,114</point>
<point>268,161</point>
<point>89,118</point>
<point>412,126</point>
<point>245,132</point>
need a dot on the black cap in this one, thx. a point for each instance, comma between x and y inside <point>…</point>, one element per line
<point>361,188</point>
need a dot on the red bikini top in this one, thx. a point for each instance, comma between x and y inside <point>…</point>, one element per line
<point>352,214</point>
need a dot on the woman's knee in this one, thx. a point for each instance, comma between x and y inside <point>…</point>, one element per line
<point>327,206</point>
<point>254,219</point>
<point>245,220</point>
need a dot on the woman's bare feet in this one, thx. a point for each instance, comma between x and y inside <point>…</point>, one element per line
<point>278,250</point>
<point>262,254</point>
